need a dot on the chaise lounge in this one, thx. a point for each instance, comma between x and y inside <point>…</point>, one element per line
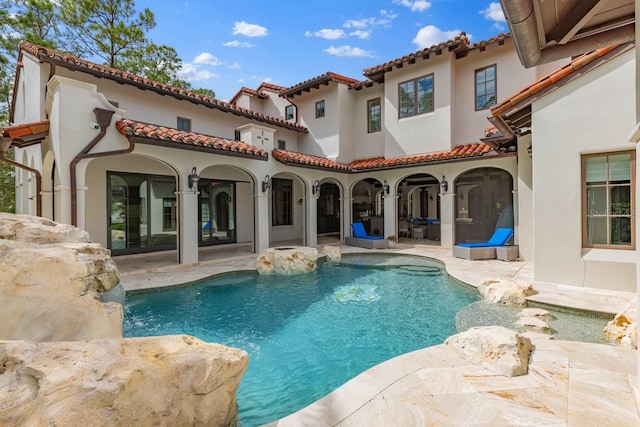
<point>483,250</point>
<point>363,240</point>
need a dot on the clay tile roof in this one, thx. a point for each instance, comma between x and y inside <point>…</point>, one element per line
<point>549,80</point>
<point>315,83</point>
<point>25,134</point>
<point>247,91</point>
<point>376,73</point>
<point>152,134</point>
<point>306,160</point>
<point>500,38</point>
<point>73,63</point>
<point>270,86</point>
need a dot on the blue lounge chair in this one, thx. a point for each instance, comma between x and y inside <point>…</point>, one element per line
<point>483,250</point>
<point>362,239</point>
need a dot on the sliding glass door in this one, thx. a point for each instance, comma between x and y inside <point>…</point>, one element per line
<point>216,212</point>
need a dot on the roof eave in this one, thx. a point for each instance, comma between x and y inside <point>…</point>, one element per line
<point>173,144</point>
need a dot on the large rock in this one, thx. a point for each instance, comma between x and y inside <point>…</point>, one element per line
<point>171,380</point>
<point>505,291</point>
<point>624,327</point>
<point>495,348</point>
<point>51,292</point>
<point>287,260</point>
<point>332,253</point>
<point>33,229</point>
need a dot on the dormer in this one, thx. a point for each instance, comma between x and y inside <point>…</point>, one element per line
<point>258,136</point>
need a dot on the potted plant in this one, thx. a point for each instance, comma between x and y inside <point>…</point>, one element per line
<point>392,241</point>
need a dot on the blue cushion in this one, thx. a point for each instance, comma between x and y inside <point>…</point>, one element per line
<point>359,232</point>
<point>499,238</point>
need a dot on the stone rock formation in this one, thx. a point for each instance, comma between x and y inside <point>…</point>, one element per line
<point>287,260</point>
<point>50,285</point>
<point>495,348</point>
<point>624,327</point>
<point>332,253</point>
<point>505,291</point>
<point>533,324</point>
<point>538,313</point>
<point>170,380</point>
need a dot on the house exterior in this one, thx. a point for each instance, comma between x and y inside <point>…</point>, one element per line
<point>144,166</point>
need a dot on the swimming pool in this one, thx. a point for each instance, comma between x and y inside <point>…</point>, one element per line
<point>308,334</point>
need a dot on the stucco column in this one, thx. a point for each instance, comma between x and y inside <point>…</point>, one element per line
<point>188,227</point>
<point>447,203</point>
<point>47,204</point>
<point>81,200</point>
<point>261,220</point>
<point>347,216</point>
<point>311,220</point>
<point>390,214</point>
<point>62,194</point>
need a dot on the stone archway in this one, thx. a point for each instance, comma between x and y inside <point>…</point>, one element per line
<point>329,209</point>
<point>419,208</point>
<point>367,205</point>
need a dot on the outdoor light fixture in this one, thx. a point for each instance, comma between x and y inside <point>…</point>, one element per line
<point>444,185</point>
<point>193,179</point>
<point>385,187</point>
<point>530,150</point>
<point>315,188</point>
<point>266,183</point>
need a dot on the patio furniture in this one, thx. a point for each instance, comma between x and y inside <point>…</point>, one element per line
<point>363,240</point>
<point>483,250</point>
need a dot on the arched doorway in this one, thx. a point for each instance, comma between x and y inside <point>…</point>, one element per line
<point>328,210</point>
<point>484,202</point>
<point>419,208</point>
<point>367,206</point>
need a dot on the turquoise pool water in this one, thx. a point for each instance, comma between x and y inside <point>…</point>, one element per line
<point>308,334</point>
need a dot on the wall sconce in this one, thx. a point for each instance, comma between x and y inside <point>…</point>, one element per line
<point>530,150</point>
<point>192,179</point>
<point>444,185</point>
<point>430,197</point>
<point>385,187</point>
<point>462,197</point>
<point>315,188</point>
<point>266,183</point>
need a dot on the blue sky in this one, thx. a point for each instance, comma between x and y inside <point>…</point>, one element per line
<point>229,44</point>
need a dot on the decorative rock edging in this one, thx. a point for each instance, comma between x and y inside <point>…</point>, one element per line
<point>287,260</point>
<point>505,291</point>
<point>624,327</point>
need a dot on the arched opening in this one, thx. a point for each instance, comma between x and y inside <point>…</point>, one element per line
<point>484,202</point>
<point>419,208</point>
<point>286,209</point>
<point>367,206</point>
<point>328,211</point>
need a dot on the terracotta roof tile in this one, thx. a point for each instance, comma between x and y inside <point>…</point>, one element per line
<point>500,38</point>
<point>248,91</point>
<point>162,134</point>
<point>26,129</point>
<point>71,62</point>
<point>317,81</point>
<point>270,86</point>
<point>307,160</point>
<point>549,80</point>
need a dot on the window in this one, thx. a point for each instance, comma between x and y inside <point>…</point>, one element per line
<point>608,200</point>
<point>282,145</point>
<point>416,96</point>
<point>236,135</point>
<point>485,87</point>
<point>320,109</point>
<point>289,112</point>
<point>169,214</point>
<point>374,115</point>
<point>184,124</point>
<point>281,201</point>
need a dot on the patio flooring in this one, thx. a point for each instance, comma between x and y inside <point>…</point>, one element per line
<point>568,384</point>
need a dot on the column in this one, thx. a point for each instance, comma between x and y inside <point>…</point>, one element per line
<point>261,205</point>
<point>62,194</point>
<point>347,216</point>
<point>390,214</point>
<point>311,220</point>
<point>188,227</point>
<point>447,216</point>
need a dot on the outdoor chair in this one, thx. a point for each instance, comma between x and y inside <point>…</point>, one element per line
<point>483,250</point>
<point>363,240</point>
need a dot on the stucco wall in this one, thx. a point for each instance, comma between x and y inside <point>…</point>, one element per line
<point>367,144</point>
<point>589,115</point>
<point>323,139</point>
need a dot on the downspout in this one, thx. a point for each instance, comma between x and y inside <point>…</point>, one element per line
<point>103,117</point>
<point>4,146</point>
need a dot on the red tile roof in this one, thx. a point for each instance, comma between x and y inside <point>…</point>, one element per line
<point>549,80</point>
<point>315,82</point>
<point>305,160</point>
<point>482,44</point>
<point>160,135</point>
<point>270,86</point>
<point>247,91</point>
<point>73,63</point>
<point>26,134</point>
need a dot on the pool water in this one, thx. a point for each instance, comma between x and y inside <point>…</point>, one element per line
<point>308,334</point>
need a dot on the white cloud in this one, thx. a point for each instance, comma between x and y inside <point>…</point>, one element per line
<point>207,58</point>
<point>249,30</point>
<point>347,50</point>
<point>494,12</point>
<point>193,73</point>
<point>234,66</point>
<point>430,35</point>
<point>327,34</point>
<point>415,6</point>
<point>359,23</point>
<point>361,34</point>
<point>237,43</point>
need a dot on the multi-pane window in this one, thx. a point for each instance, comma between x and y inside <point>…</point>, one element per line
<point>281,201</point>
<point>289,112</point>
<point>416,96</point>
<point>169,214</point>
<point>320,109</point>
<point>282,144</point>
<point>374,115</point>
<point>485,87</point>
<point>608,200</point>
<point>184,124</point>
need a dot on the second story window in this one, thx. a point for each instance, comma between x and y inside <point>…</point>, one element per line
<point>416,96</point>
<point>374,115</point>
<point>282,144</point>
<point>289,112</point>
<point>319,109</point>
<point>184,124</point>
<point>485,87</point>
